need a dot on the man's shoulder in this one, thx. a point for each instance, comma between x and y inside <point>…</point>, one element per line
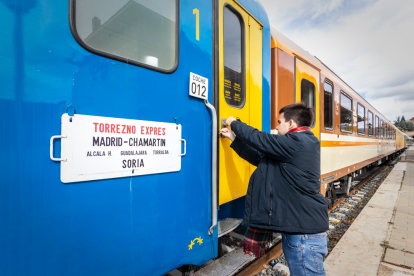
<point>300,134</point>
<point>305,136</point>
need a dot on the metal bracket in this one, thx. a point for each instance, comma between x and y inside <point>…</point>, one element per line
<point>70,110</point>
<point>185,147</point>
<point>51,148</point>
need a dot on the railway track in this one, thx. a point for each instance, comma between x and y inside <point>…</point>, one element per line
<point>355,196</point>
<point>341,216</point>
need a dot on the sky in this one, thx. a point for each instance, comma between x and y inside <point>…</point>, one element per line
<point>368,43</point>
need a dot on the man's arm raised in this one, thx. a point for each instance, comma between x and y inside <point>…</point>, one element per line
<point>274,146</point>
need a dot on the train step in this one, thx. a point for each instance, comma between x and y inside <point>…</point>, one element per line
<point>229,264</point>
<point>227,225</point>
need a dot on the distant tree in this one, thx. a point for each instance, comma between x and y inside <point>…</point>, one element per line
<point>403,125</point>
<point>400,128</point>
<point>410,126</point>
<point>402,118</point>
<point>396,122</point>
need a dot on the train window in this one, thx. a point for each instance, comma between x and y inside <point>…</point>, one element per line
<point>307,94</point>
<point>361,119</point>
<point>346,113</point>
<point>382,128</point>
<point>139,32</point>
<point>233,44</point>
<point>370,123</point>
<point>385,129</point>
<point>376,126</point>
<point>328,105</point>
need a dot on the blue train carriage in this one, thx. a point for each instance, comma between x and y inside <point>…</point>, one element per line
<point>107,160</point>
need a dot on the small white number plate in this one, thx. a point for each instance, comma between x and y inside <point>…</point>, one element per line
<point>198,86</point>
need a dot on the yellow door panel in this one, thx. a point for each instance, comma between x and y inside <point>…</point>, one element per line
<point>240,65</point>
<point>307,81</point>
<point>255,74</point>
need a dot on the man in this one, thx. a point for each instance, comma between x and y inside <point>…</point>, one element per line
<point>284,191</point>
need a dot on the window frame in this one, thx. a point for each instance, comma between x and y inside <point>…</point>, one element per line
<point>243,49</point>
<point>373,123</point>
<point>377,126</point>
<point>381,129</point>
<point>388,131</point>
<point>73,29</point>
<point>333,105</point>
<point>340,111</point>
<point>365,131</point>
<point>314,99</point>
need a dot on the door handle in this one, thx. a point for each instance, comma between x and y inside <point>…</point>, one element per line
<point>223,123</point>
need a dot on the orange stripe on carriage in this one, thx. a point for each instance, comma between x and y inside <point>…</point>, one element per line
<point>330,144</point>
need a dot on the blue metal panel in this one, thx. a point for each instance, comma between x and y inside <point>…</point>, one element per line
<point>139,225</point>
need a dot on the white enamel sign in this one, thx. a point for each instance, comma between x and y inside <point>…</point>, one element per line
<point>102,147</point>
<point>198,86</point>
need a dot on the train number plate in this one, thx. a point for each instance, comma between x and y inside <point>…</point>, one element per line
<point>198,86</point>
<point>103,147</point>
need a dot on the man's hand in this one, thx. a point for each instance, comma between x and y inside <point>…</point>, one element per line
<point>230,120</point>
<point>225,132</point>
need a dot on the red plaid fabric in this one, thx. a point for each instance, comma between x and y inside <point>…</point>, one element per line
<point>299,129</point>
<point>256,241</point>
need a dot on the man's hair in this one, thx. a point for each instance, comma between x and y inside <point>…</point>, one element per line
<point>298,112</point>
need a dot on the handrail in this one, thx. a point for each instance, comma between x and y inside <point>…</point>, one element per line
<point>213,167</point>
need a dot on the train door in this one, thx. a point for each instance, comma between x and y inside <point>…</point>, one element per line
<point>307,90</point>
<point>240,90</point>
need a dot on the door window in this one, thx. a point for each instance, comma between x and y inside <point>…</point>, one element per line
<point>328,105</point>
<point>233,48</point>
<point>307,94</point>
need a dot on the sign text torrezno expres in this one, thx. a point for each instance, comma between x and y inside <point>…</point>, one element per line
<point>109,145</point>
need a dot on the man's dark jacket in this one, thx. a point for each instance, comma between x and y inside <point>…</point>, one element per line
<point>284,191</point>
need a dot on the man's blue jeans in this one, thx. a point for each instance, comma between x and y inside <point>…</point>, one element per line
<point>305,253</point>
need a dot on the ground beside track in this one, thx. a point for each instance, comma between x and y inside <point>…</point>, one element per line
<point>377,241</point>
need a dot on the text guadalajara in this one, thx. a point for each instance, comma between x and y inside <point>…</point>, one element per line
<point>128,129</point>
